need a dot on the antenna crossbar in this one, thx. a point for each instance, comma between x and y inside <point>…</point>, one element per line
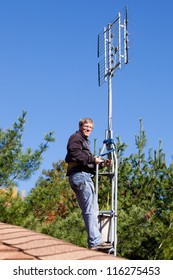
<point>112,47</point>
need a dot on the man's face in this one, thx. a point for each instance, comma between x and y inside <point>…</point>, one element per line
<point>86,129</point>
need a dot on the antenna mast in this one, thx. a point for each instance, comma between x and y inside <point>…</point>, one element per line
<point>113,55</point>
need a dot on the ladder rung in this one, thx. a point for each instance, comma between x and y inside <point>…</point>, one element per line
<point>107,174</point>
<point>106,213</point>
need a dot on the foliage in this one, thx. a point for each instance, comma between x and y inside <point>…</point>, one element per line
<point>15,164</point>
<point>145,205</point>
<point>71,228</point>
<point>52,195</point>
<point>12,206</point>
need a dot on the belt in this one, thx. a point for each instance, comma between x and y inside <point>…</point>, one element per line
<point>72,164</point>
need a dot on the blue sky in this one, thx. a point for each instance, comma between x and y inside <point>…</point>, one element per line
<point>48,67</point>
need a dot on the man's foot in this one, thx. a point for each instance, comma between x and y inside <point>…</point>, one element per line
<point>103,246</point>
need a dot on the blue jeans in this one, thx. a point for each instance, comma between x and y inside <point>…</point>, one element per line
<point>83,187</point>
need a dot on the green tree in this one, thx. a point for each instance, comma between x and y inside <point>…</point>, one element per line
<point>52,196</point>
<point>12,206</point>
<point>54,205</point>
<point>145,208</point>
<point>16,164</point>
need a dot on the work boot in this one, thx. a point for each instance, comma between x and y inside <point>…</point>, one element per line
<point>103,246</point>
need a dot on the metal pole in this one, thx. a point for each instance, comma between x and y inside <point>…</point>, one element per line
<point>109,83</point>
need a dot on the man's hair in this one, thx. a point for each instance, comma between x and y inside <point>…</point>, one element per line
<point>85,120</point>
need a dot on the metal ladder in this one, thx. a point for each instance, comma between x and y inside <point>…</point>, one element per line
<point>108,218</point>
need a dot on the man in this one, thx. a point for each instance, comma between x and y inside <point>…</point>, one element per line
<point>81,169</point>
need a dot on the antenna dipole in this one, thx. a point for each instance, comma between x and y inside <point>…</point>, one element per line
<point>113,54</point>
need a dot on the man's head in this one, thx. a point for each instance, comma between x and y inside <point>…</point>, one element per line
<point>86,125</point>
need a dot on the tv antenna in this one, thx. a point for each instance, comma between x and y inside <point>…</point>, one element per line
<point>113,55</point>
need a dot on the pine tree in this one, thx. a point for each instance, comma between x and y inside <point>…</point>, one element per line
<point>145,204</point>
<point>16,164</point>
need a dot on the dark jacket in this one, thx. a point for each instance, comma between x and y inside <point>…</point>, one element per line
<point>79,157</point>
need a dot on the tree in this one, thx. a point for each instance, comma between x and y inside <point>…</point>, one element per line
<point>145,207</point>
<point>52,196</point>
<point>15,164</point>
<point>54,205</point>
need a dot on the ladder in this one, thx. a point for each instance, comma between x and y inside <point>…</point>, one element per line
<point>108,218</point>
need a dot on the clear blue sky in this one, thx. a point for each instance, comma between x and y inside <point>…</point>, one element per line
<point>48,67</point>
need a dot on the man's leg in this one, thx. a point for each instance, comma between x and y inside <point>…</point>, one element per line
<point>82,185</point>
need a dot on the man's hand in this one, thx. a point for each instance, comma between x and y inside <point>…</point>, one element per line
<point>106,162</point>
<point>99,160</point>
